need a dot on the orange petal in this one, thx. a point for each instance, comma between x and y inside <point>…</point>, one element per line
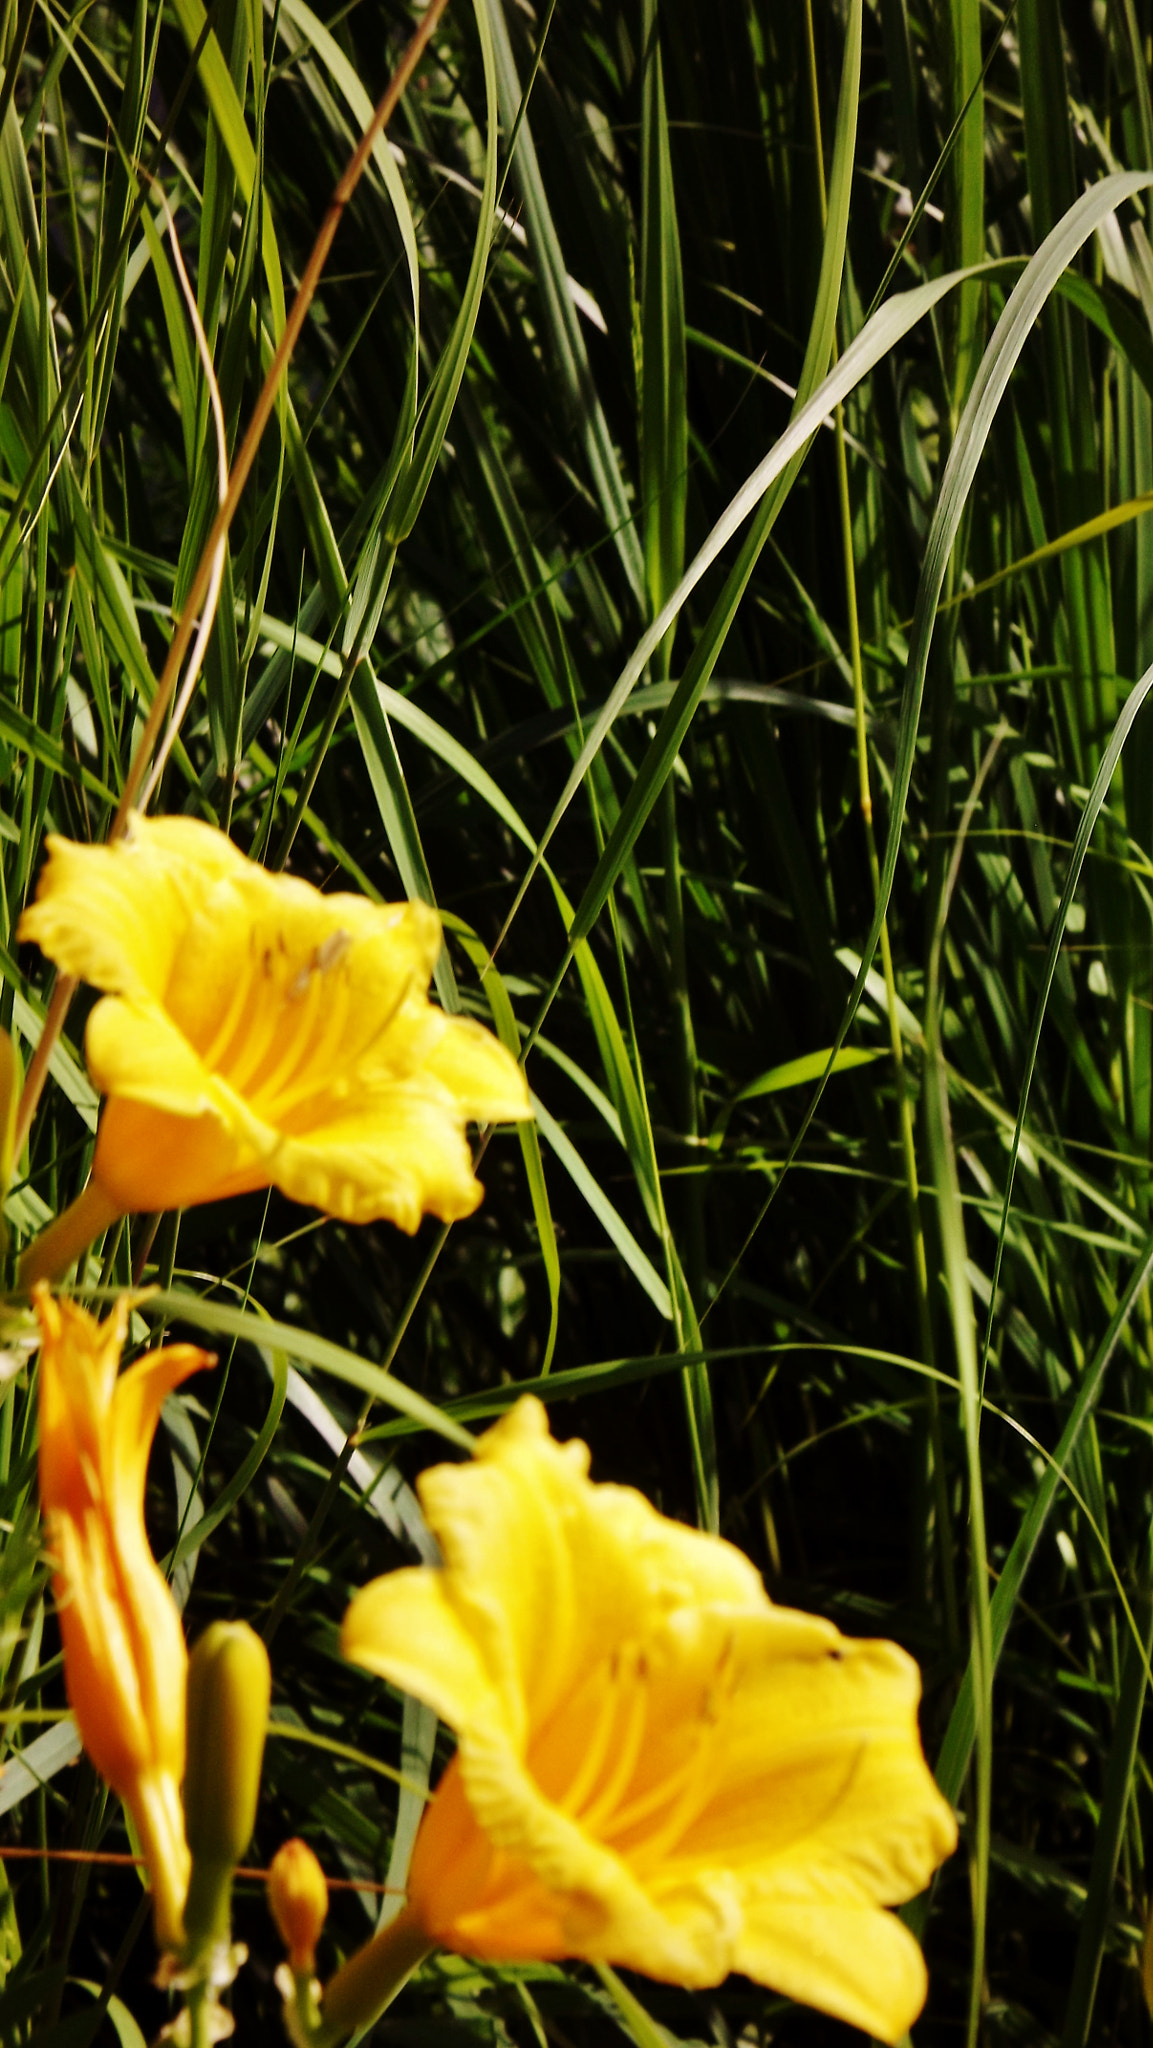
<point>150,1159</point>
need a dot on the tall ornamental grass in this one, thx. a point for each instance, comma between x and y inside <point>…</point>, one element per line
<point>704,546</point>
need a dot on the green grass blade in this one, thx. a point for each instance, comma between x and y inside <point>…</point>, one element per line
<point>568,352</point>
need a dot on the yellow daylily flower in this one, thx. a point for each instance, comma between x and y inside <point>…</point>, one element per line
<point>255,1031</point>
<point>125,1661</point>
<point>656,1766</point>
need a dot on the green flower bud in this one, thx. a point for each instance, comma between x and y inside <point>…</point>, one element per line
<point>229,1686</point>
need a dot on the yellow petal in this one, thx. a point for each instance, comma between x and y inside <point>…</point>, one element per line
<point>155,1805</point>
<point>262,952</point>
<point>137,1399</point>
<point>851,1961</point>
<point>499,1872</point>
<point>400,1153</point>
<point>403,1628</point>
<point>135,1052</point>
<point>78,1365</point>
<point>112,915</point>
<point>124,1654</point>
<point>479,1073</point>
<point>843,1784</point>
<point>100,1672</point>
<point>551,1573</point>
<point>153,1623</point>
<point>183,844</point>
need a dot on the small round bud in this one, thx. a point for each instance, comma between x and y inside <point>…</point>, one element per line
<point>298,1902</point>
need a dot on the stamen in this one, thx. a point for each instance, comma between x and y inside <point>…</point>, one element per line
<point>595,1749</point>
<point>595,1815</point>
<point>238,1002</point>
<point>658,1796</point>
<point>686,1790</point>
<point>260,1038</point>
<point>289,1097</point>
<point>332,950</point>
<point>326,955</point>
<point>300,1044</point>
<point>696,1779</point>
<point>313,1068</point>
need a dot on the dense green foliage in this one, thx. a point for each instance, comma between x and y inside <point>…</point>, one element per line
<point>888,1333</point>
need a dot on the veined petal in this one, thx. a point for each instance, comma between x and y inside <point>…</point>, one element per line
<point>100,1673</point>
<point>277,940</point>
<point>495,1863</point>
<point>157,1811</point>
<point>852,1961</point>
<point>135,1053</point>
<point>402,1627</point>
<point>550,1573</point>
<point>478,1073</point>
<point>500,1524</point>
<point>111,915</point>
<point>151,1620</point>
<point>137,1398</point>
<point>843,1784</point>
<point>400,1153</point>
<point>79,1361</point>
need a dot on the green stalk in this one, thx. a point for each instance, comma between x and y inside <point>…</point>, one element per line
<point>68,1236</point>
<point>1110,1830</point>
<point>904,1109</point>
<point>366,1985</point>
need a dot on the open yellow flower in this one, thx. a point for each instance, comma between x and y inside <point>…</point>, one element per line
<point>656,1765</point>
<point>125,1661</point>
<point>255,1031</point>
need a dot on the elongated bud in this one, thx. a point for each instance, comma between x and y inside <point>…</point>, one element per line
<point>298,1902</point>
<point>229,1687</point>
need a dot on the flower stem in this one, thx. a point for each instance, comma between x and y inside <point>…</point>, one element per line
<point>199,1999</point>
<point>68,1236</point>
<point>370,1980</point>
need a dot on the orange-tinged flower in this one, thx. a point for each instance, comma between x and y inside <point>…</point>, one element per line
<point>124,1656</point>
<point>298,1901</point>
<point>656,1765</point>
<point>255,1031</point>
